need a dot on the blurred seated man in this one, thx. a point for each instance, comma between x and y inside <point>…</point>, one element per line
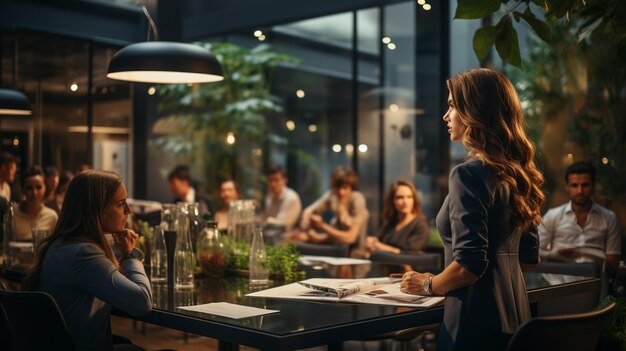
<point>180,186</point>
<point>349,215</point>
<point>229,192</point>
<point>282,204</point>
<point>8,167</point>
<point>580,230</point>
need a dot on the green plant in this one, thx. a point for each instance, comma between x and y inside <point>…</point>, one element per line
<point>281,259</point>
<point>613,336</point>
<point>220,128</point>
<point>605,18</point>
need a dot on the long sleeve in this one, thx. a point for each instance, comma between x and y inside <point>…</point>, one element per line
<point>529,247</point>
<point>96,274</point>
<point>470,199</point>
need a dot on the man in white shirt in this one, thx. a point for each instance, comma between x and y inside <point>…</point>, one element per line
<point>8,167</point>
<point>282,204</point>
<point>580,230</point>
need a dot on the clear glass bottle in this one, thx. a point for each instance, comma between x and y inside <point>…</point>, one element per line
<point>194,221</point>
<point>259,274</point>
<point>183,257</point>
<point>210,251</point>
<point>158,257</point>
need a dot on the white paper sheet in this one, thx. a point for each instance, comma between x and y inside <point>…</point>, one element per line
<point>229,310</point>
<point>333,261</point>
<point>389,295</point>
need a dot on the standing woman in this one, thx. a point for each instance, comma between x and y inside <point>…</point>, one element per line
<point>488,220</point>
<point>77,267</point>
<point>405,227</point>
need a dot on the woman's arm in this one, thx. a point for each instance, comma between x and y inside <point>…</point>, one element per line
<point>454,277</point>
<point>96,274</point>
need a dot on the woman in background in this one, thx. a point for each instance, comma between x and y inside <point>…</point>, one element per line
<point>31,214</point>
<point>488,220</point>
<point>405,227</point>
<point>76,264</point>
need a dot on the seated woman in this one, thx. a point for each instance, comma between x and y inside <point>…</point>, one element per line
<point>405,227</point>
<point>76,264</point>
<point>31,214</point>
<point>349,215</point>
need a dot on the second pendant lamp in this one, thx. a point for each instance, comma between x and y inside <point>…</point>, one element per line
<point>164,62</point>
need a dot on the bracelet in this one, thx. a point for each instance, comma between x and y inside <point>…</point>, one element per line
<point>428,286</point>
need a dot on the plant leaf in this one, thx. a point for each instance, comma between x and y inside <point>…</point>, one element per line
<point>473,9</point>
<point>540,27</point>
<point>585,32</point>
<point>483,41</point>
<point>507,43</point>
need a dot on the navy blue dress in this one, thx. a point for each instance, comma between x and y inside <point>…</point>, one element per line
<point>475,226</point>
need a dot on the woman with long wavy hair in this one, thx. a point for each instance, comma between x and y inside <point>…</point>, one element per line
<point>488,220</point>
<point>405,227</point>
<point>76,264</point>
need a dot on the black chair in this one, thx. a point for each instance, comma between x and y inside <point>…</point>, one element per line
<point>569,332</point>
<point>35,321</point>
<point>425,262</point>
<point>333,250</point>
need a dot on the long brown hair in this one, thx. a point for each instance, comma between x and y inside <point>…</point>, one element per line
<point>390,213</point>
<point>490,108</point>
<point>88,195</point>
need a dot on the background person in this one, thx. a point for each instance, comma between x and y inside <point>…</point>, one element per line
<point>405,227</point>
<point>31,214</point>
<point>229,192</point>
<point>349,214</point>
<point>580,230</point>
<point>488,220</point>
<point>57,203</point>
<point>180,185</point>
<point>76,264</point>
<point>51,180</point>
<point>8,168</point>
<point>282,204</point>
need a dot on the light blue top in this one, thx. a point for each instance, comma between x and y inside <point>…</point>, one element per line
<point>86,284</point>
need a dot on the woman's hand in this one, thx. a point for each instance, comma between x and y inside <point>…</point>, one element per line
<point>413,282</point>
<point>316,221</point>
<point>125,241</point>
<point>372,243</point>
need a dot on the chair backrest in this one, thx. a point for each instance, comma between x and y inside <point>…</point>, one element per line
<point>35,321</point>
<point>570,332</point>
<point>587,269</point>
<point>430,262</point>
<point>334,250</point>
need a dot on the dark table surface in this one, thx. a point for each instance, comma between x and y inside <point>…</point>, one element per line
<point>300,323</point>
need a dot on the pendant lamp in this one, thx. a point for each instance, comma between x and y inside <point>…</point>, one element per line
<point>164,62</point>
<point>14,102</point>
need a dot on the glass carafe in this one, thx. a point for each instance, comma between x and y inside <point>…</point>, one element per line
<point>210,252</point>
<point>183,256</point>
<point>259,274</point>
<point>158,257</point>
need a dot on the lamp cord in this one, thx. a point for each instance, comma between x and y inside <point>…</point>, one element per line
<point>152,25</point>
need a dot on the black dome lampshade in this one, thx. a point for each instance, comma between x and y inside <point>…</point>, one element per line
<point>14,102</point>
<point>165,62</point>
